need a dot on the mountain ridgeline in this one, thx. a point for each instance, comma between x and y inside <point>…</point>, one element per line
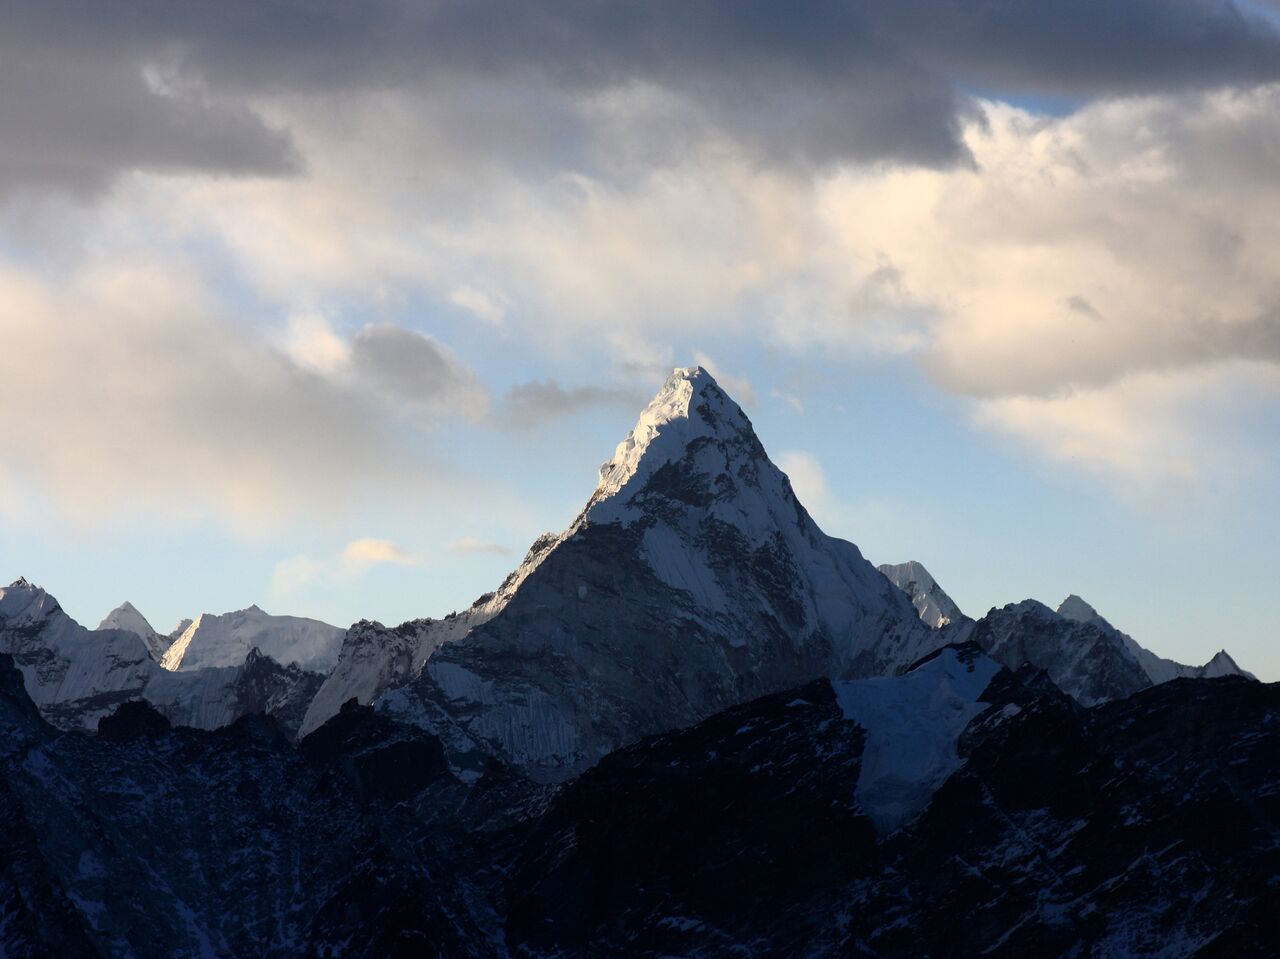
<point>689,724</point>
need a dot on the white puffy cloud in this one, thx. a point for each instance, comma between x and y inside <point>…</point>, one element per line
<point>1093,280</point>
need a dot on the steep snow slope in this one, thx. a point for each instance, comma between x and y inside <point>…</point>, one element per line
<point>226,640</point>
<point>126,617</point>
<point>692,580</point>
<point>932,603</point>
<point>913,723</point>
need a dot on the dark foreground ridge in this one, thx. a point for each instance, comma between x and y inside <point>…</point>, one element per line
<point>1149,826</point>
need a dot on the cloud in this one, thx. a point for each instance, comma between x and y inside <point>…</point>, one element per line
<point>794,402</point>
<point>482,305</point>
<point>124,387</point>
<point>633,176</point>
<point>76,121</point>
<point>293,576</point>
<point>412,369</point>
<point>90,94</point>
<point>528,405</point>
<point>359,554</point>
<point>470,546</point>
<point>311,343</point>
<point>290,576</point>
<point>1185,430</point>
<point>808,480</point>
<point>1089,268</point>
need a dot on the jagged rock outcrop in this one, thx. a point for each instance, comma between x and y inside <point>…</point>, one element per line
<point>935,607</point>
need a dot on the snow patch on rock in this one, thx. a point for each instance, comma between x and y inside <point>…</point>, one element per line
<point>913,723</point>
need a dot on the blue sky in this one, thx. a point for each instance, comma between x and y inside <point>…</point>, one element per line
<point>350,316</point>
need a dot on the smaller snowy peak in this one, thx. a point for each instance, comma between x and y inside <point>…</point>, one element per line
<point>226,640</point>
<point>913,723</point>
<point>1223,665</point>
<point>180,629</point>
<point>126,617</point>
<point>1075,608</point>
<point>930,600</point>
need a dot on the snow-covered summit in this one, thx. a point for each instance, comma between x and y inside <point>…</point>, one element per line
<point>23,602</point>
<point>930,600</point>
<point>689,407</point>
<point>1222,665</point>
<point>225,640</point>
<point>127,618</point>
<point>1075,608</point>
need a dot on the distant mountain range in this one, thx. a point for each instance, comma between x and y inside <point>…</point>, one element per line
<point>690,724</point>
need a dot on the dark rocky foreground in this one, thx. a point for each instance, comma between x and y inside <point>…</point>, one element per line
<point>1145,827</point>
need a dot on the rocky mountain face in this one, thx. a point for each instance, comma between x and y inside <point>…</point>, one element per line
<point>149,840</point>
<point>1033,826</point>
<point>933,605</point>
<point>76,675</point>
<point>692,580</point>
<point>1081,652</point>
<point>1064,832</point>
<point>1158,669</point>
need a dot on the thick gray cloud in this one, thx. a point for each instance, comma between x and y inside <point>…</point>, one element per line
<point>531,404</point>
<point>415,372</point>
<point>1090,47</point>
<point>808,82</point>
<point>74,122</point>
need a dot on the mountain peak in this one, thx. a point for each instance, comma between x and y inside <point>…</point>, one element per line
<point>126,617</point>
<point>930,600</point>
<point>1223,665</point>
<point>1075,608</point>
<point>688,411</point>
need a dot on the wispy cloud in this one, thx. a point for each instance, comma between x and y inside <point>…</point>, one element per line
<point>362,553</point>
<point>540,401</point>
<point>485,306</point>
<point>470,546</point>
<point>293,576</point>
